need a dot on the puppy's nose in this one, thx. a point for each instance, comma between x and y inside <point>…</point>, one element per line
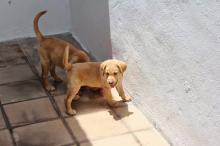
<point>111,82</point>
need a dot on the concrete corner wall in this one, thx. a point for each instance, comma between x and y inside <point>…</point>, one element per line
<point>17,17</point>
<point>172,50</point>
<point>90,26</point>
<point>88,20</point>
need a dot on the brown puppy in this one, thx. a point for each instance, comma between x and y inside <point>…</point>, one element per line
<point>51,52</point>
<point>106,75</point>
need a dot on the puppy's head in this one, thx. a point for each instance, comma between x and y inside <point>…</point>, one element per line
<point>112,71</point>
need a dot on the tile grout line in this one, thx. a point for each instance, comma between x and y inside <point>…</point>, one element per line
<point>152,122</point>
<point>5,128</point>
<point>129,130</point>
<point>113,136</point>
<point>14,102</point>
<point>8,125</point>
<point>37,122</point>
<point>52,100</point>
<point>158,129</point>
<point>17,82</point>
<point>70,144</point>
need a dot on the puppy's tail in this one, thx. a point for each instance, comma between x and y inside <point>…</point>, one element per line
<point>39,35</point>
<point>67,65</point>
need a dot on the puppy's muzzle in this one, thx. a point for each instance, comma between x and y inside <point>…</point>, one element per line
<point>112,84</point>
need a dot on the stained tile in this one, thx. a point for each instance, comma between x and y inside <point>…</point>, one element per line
<point>15,73</point>
<point>2,122</point>
<point>30,46</point>
<point>61,88</point>
<point>30,111</point>
<point>21,91</point>
<point>52,133</point>
<point>11,54</point>
<point>5,138</point>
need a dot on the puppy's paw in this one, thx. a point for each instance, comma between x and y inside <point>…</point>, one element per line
<point>58,80</point>
<point>76,97</point>
<point>127,99</point>
<point>71,112</point>
<point>116,103</point>
<point>50,87</point>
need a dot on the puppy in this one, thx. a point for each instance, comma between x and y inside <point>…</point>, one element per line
<point>51,52</point>
<point>106,75</point>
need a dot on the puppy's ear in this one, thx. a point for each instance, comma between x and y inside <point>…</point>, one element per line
<point>67,65</point>
<point>122,66</point>
<point>103,67</point>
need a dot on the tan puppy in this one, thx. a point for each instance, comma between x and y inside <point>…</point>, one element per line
<point>51,52</point>
<point>106,75</point>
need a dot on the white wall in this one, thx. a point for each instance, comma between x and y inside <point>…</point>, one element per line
<point>16,18</point>
<point>90,26</point>
<point>172,48</point>
<point>88,20</point>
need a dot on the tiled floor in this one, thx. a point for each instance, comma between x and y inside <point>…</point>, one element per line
<point>30,116</point>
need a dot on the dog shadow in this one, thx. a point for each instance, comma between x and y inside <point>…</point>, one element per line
<point>121,112</point>
<point>97,102</point>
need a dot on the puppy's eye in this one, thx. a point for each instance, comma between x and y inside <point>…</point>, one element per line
<point>107,74</point>
<point>115,73</point>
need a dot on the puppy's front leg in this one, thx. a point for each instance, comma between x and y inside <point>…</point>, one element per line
<point>109,96</point>
<point>71,93</point>
<point>122,94</point>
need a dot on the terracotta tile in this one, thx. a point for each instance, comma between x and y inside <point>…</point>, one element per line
<point>38,67</point>
<point>84,105</point>
<point>43,134</point>
<point>122,140</point>
<point>2,122</point>
<point>30,111</point>
<point>15,73</point>
<point>5,138</point>
<point>61,88</point>
<point>133,118</point>
<point>60,101</point>
<point>95,125</point>
<point>10,54</point>
<point>21,90</point>
<point>151,138</point>
<point>30,46</point>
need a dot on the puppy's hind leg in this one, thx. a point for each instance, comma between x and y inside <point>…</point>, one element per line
<point>108,95</point>
<point>53,73</point>
<point>45,65</point>
<point>71,93</point>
